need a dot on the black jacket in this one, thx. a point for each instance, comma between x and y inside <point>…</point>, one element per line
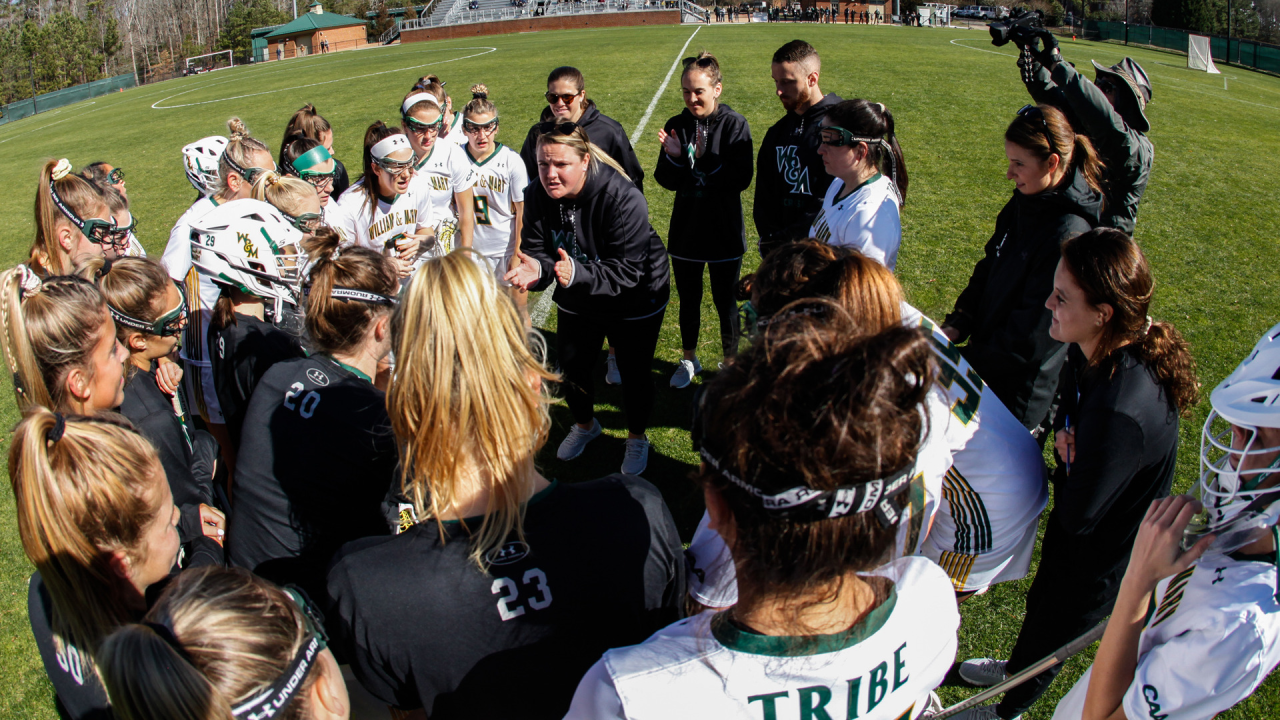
<point>1002,310</point>
<point>340,180</point>
<point>621,269</point>
<point>603,131</point>
<point>241,354</point>
<point>706,217</point>
<point>790,179</point>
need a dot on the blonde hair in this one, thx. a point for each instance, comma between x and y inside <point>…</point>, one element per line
<point>240,149</point>
<point>480,102</point>
<point>50,328</point>
<point>285,192</point>
<point>583,146</point>
<point>235,634</point>
<point>81,498</point>
<point>135,286</point>
<point>81,196</point>
<point>463,399</point>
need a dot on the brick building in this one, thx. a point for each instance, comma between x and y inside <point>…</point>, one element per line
<point>306,34</point>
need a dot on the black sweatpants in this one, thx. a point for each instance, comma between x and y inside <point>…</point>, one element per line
<point>579,338</point>
<point>724,276</point>
<point>1069,596</point>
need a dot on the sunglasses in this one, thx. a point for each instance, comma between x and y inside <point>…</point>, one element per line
<point>1034,113</point>
<point>306,222</point>
<point>422,128</point>
<point>566,99</point>
<point>561,128</point>
<point>486,128</point>
<point>115,177</point>
<point>167,325</point>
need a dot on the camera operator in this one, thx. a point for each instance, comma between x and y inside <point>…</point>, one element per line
<point>1110,110</point>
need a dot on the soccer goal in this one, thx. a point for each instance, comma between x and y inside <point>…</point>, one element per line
<point>1198,55</point>
<point>210,61</point>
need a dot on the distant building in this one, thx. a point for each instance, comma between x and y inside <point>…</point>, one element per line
<point>304,35</point>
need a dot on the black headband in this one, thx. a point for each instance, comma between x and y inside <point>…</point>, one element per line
<point>341,293</point>
<point>232,164</point>
<point>74,218</point>
<point>275,699</point>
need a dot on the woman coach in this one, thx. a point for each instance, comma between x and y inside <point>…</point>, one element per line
<point>587,227</point>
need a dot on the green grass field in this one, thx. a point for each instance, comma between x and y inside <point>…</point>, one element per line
<point>1208,221</point>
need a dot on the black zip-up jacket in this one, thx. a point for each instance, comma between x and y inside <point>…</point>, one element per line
<point>790,179</point>
<point>706,217</point>
<point>620,266</point>
<point>1002,311</point>
<point>603,131</point>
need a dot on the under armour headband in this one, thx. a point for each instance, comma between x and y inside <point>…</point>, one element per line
<point>275,699</point>
<point>415,99</point>
<point>388,145</point>
<point>341,293</point>
<point>311,158</point>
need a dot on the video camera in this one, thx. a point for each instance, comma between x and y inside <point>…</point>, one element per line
<point>1023,27</point>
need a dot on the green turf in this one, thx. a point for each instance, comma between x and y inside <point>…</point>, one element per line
<point>1207,222</point>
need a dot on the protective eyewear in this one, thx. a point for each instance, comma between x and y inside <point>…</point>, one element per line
<point>121,234</point>
<point>98,231</point>
<point>250,173</point>
<point>167,325</point>
<point>551,126</point>
<point>115,177</point>
<point>1034,113</point>
<point>306,222</point>
<point>839,137</point>
<point>566,99</point>
<point>319,179</point>
<point>487,128</point>
<point>394,167</point>
<point>422,128</point>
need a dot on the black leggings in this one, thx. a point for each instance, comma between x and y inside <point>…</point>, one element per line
<point>579,338</point>
<point>724,276</point>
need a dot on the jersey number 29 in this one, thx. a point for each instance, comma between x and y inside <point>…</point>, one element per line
<point>509,592</point>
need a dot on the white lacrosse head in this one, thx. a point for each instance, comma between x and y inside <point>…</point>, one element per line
<point>200,160</point>
<point>249,245</point>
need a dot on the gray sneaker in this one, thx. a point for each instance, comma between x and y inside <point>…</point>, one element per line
<point>983,672</point>
<point>576,441</point>
<point>685,372</point>
<point>636,457</point>
<point>611,374</point>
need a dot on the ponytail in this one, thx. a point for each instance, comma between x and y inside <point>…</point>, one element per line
<point>285,192</point>
<point>872,123</point>
<point>79,196</point>
<point>238,154</point>
<point>1033,131</point>
<point>336,325</point>
<point>480,103</point>
<point>1085,157</point>
<point>1167,355</point>
<point>50,328</point>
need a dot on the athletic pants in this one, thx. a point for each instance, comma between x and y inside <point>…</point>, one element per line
<point>1069,596</point>
<point>724,276</point>
<point>579,339</point>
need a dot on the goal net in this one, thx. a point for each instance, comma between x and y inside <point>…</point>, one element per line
<point>1198,55</point>
<point>211,61</point>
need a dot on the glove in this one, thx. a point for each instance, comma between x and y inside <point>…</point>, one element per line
<point>1048,56</point>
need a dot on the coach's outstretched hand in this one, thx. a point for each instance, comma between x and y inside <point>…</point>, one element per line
<point>524,272</point>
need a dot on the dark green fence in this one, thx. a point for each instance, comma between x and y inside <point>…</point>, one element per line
<point>66,96</point>
<point>1242,52</point>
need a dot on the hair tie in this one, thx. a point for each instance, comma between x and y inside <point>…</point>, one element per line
<point>59,427</point>
<point>272,179</point>
<point>29,283</point>
<point>480,95</point>
<point>61,170</point>
<point>1146,328</point>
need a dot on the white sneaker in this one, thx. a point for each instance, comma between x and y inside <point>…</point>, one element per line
<point>576,441</point>
<point>685,373</point>
<point>981,712</point>
<point>636,457</point>
<point>983,672</point>
<point>611,374</point>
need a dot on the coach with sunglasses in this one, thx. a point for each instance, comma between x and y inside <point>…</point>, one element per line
<point>567,102</point>
<point>1111,110</point>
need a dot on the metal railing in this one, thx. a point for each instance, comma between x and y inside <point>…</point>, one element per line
<point>690,11</point>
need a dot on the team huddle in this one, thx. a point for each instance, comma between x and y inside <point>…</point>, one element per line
<point>305,438</point>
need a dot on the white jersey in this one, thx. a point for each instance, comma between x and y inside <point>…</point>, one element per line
<point>866,219</point>
<point>202,295</point>
<point>884,668</point>
<point>499,183</point>
<point>712,579</point>
<point>1211,639</point>
<point>387,223</point>
<point>456,136</point>
<point>444,171</point>
<point>135,247</point>
<point>996,488</point>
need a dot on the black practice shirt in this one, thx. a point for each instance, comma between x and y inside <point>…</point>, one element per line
<point>241,354</point>
<point>601,567</point>
<point>80,694</point>
<point>316,458</point>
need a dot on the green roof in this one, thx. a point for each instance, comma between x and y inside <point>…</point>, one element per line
<point>310,22</point>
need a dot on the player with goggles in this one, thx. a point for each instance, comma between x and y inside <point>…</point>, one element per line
<point>444,175</point>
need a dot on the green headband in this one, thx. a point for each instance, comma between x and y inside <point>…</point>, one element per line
<point>311,158</point>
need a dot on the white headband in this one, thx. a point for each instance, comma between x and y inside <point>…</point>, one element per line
<point>388,145</point>
<point>415,99</point>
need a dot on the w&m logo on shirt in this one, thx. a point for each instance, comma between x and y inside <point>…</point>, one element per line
<point>568,240</point>
<point>792,172</point>
<point>816,701</point>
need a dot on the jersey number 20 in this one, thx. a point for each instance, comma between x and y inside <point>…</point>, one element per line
<point>307,407</point>
<point>508,606</point>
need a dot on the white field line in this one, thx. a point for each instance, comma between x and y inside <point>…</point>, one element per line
<point>648,113</point>
<point>157,106</point>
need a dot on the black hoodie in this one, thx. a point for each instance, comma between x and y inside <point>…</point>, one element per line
<point>1002,310</point>
<point>620,265</point>
<point>790,179</point>
<point>706,217</point>
<point>603,131</point>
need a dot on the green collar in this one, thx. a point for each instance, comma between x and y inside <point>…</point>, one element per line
<point>736,637</point>
<point>477,519</point>
<point>847,192</point>
<point>214,201</point>
<point>428,157</point>
<point>387,200</point>
<point>348,368</point>
<point>497,147</point>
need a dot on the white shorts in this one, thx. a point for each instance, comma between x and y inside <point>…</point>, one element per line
<point>968,572</point>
